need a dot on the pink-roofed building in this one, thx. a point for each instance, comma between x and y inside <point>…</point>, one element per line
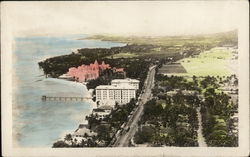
<point>87,72</point>
<point>104,66</point>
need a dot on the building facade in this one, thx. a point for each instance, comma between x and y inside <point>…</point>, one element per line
<point>102,111</point>
<point>87,72</point>
<point>92,71</point>
<point>121,93</point>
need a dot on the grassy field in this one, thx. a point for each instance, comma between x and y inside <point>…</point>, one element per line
<point>214,62</point>
<point>172,68</point>
<point>123,55</point>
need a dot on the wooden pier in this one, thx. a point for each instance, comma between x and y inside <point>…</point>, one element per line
<point>54,98</point>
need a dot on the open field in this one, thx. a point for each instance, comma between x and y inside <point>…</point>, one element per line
<point>123,55</point>
<point>172,68</point>
<point>213,62</point>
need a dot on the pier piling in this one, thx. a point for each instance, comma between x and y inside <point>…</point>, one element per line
<point>58,98</point>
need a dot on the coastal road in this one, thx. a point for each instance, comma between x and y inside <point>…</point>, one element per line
<point>132,124</point>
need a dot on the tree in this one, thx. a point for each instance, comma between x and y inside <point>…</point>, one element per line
<point>75,142</point>
<point>217,138</point>
<point>68,137</point>
<point>145,134</point>
<point>103,133</point>
<point>60,144</point>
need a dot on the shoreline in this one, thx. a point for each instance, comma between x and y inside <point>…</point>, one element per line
<point>82,120</point>
<point>123,40</point>
<point>103,40</point>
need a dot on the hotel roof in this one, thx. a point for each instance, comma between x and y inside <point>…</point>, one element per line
<point>124,80</point>
<point>121,86</point>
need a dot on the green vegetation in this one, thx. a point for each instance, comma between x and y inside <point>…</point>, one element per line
<point>69,142</point>
<point>213,39</point>
<point>213,62</point>
<point>170,122</point>
<point>106,128</point>
<point>171,119</point>
<point>150,49</point>
<point>217,110</point>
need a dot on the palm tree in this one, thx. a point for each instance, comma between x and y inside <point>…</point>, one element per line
<point>83,143</point>
<point>85,135</point>
<point>68,137</point>
<point>75,141</point>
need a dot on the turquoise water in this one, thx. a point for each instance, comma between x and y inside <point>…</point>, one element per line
<point>37,123</point>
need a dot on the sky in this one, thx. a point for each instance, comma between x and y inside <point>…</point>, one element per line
<point>122,18</point>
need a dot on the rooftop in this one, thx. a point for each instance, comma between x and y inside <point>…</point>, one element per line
<point>106,107</point>
<point>124,80</point>
<point>83,131</point>
<point>122,86</point>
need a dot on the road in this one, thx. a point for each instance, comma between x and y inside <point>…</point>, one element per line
<point>132,124</point>
<point>201,139</point>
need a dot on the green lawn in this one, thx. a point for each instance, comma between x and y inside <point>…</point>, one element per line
<point>123,55</point>
<point>213,63</point>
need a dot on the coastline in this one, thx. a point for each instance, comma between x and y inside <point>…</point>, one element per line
<point>92,38</point>
<point>82,119</point>
<point>33,119</point>
<point>175,54</point>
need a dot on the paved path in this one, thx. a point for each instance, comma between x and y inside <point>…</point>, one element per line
<point>201,139</point>
<point>123,140</point>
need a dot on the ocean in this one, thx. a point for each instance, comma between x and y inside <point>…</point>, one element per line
<point>37,123</point>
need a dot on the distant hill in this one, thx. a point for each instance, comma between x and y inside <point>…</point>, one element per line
<point>223,38</point>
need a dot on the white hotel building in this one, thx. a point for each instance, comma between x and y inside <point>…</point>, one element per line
<point>120,91</point>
